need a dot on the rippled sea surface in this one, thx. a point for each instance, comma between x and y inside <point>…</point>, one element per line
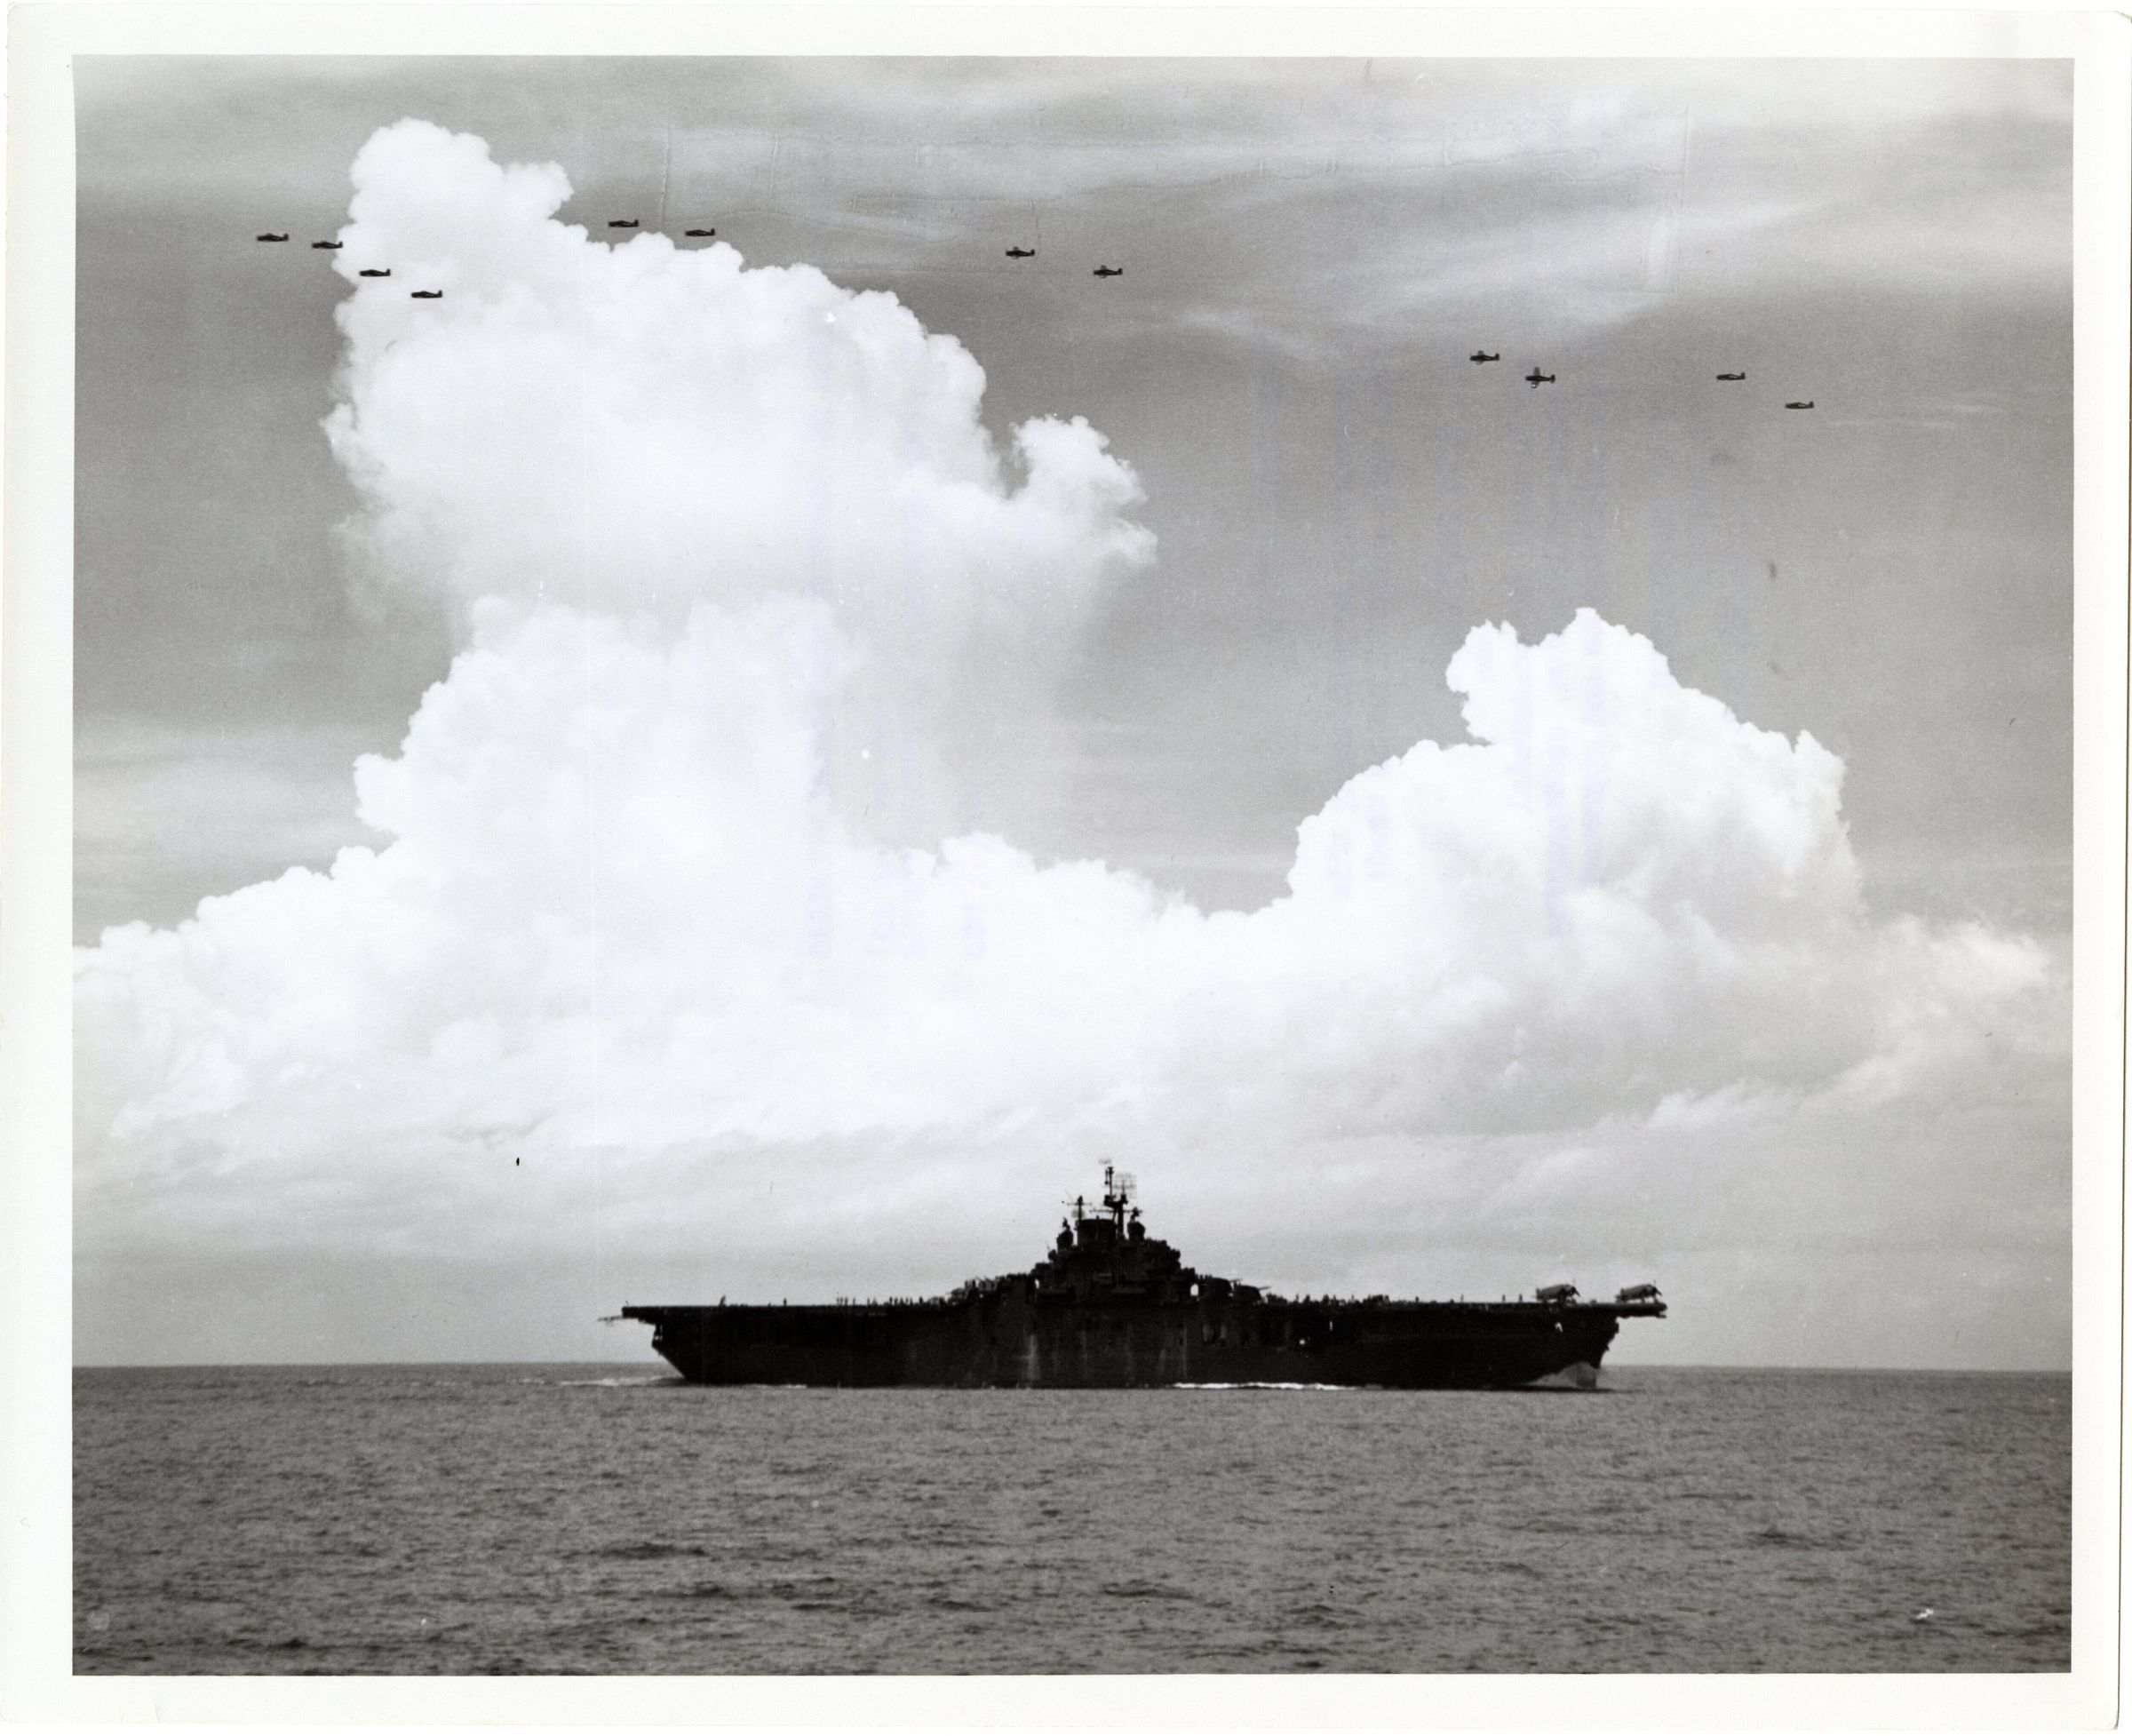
<point>518,1518</point>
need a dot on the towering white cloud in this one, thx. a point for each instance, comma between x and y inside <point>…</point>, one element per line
<point>735,563</point>
<point>636,429</point>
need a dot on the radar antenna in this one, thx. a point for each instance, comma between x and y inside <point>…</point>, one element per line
<point>1118,1193</point>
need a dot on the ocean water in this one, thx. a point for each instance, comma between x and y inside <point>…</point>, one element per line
<point>535,1518</point>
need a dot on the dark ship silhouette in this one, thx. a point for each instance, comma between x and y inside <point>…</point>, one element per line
<point>1113,1306</point>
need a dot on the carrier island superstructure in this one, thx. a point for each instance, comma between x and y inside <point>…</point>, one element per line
<point>1113,1306</point>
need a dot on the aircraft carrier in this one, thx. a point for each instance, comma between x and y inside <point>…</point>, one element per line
<point>1113,1306</point>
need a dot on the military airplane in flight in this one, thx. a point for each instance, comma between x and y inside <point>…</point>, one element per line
<point>1537,379</point>
<point>622,223</point>
<point>425,295</point>
<point>270,237</point>
<point>1731,377</point>
<point>699,233</point>
<point>1482,356</point>
<point>1807,403</point>
<point>1021,252</point>
<point>327,246</point>
<point>1108,271</point>
<point>375,271</point>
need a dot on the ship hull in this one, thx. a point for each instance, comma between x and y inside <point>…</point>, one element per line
<point>1016,1339</point>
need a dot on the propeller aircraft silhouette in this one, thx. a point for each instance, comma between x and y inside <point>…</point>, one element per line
<point>1537,379</point>
<point>1482,356</point>
<point>1108,271</point>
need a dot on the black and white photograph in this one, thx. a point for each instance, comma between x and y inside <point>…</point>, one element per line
<point>1059,865</point>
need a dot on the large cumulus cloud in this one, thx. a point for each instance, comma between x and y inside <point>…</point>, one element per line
<point>738,573</point>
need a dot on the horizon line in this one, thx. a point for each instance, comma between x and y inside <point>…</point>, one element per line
<point>659,1362</point>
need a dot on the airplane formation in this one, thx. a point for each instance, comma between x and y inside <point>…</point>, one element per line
<point>1019,253</point>
<point>1535,379</point>
<point>438,295</point>
<point>1014,252</point>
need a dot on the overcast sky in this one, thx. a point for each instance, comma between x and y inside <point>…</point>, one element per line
<point>714,926</point>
